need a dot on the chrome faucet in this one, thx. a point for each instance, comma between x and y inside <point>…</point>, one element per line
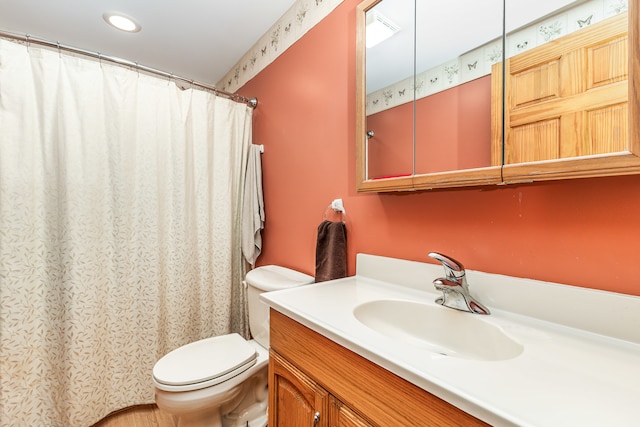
<point>454,287</point>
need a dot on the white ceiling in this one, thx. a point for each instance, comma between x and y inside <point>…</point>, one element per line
<point>199,40</point>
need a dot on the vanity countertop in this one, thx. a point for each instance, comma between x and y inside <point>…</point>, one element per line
<point>581,359</point>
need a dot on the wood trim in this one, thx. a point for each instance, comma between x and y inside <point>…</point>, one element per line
<point>460,178</point>
<point>389,184</point>
<point>472,177</point>
<point>586,167</point>
<point>379,396</point>
<point>361,98</point>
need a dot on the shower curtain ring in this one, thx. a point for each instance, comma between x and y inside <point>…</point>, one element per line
<point>28,41</point>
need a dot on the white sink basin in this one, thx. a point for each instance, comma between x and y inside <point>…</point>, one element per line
<point>439,329</point>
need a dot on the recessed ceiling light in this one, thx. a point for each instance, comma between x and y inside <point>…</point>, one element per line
<point>122,22</point>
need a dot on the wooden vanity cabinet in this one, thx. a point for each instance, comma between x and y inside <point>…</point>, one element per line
<point>294,398</point>
<point>309,374</point>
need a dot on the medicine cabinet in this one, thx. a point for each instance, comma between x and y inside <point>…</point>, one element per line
<point>435,110</point>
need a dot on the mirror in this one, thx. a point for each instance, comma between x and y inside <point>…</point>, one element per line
<point>457,44</point>
<point>427,108</point>
<point>569,108</point>
<point>390,46</point>
<point>435,118</point>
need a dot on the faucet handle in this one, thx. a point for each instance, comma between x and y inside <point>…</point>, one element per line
<point>453,269</point>
<point>454,295</point>
<point>454,287</point>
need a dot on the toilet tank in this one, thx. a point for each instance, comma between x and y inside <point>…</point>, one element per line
<point>265,279</point>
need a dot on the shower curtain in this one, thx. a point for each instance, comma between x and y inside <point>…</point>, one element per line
<point>120,198</point>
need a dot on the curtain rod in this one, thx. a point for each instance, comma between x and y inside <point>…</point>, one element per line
<point>252,102</point>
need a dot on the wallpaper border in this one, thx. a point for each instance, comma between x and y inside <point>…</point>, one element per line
<point>295,23</point>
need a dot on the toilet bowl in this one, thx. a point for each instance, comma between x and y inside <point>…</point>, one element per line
<point>198,402</point>
<point>222,381</point>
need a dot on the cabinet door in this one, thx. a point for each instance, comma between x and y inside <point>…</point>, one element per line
<point>343,416</point>
<point>294,399</point>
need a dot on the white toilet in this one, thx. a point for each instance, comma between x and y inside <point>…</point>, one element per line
<point>222,381</point>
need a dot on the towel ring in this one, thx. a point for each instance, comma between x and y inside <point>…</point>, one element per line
<point>329,209</point>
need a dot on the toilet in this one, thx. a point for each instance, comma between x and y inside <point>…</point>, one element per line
<point>222,381</point>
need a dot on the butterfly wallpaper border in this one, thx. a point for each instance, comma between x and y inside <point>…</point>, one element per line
<point>295,23</point>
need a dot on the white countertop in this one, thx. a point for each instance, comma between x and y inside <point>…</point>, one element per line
<point>564,377</point>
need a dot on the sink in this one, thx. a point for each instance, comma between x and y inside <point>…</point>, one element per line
<point>439,329</point>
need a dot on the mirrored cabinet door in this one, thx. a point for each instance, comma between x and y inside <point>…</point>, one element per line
<point>456,45</point>
<point>567,89</point>
<point>390,41</point>
<point>424,114</point>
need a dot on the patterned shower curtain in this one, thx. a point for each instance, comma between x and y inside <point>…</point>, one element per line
<point>119,231</point>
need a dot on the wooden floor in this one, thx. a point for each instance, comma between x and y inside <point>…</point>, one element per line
<point>138,416</point>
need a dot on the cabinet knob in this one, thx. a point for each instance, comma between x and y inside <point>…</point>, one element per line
<point>316,419</point>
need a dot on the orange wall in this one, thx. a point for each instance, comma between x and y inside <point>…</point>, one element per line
<point>453,130</point>
<point>583,232</point>
<point>456,125</point>
<point>391,148</point>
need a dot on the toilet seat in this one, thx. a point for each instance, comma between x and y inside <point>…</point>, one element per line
<point>204,363</point>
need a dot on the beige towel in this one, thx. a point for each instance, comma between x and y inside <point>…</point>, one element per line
<point>331,251</point>
<point>252,207</point>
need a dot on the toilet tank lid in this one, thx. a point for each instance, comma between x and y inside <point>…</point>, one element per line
<point>275,277</point>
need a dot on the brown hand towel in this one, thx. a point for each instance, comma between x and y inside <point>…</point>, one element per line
<point>331,251</point>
